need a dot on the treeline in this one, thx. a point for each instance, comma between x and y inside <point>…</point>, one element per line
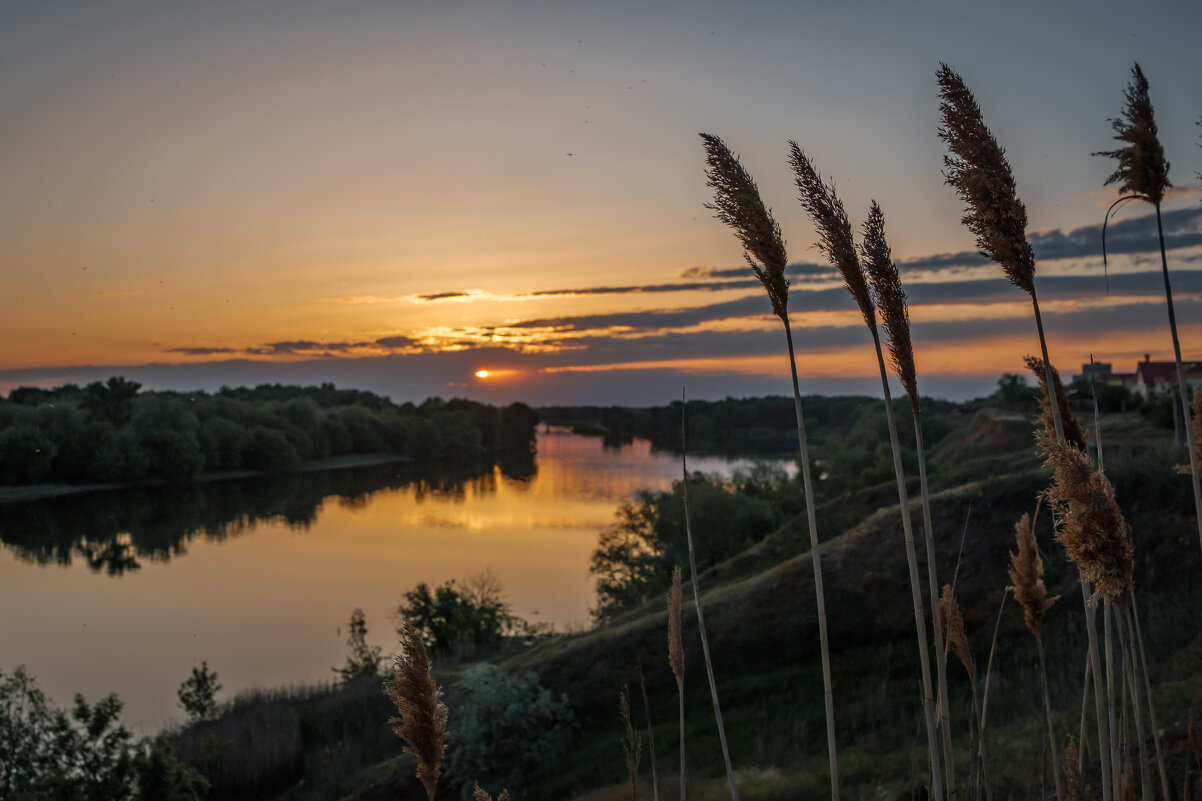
<point>732,427</point>
<point>112,432</point>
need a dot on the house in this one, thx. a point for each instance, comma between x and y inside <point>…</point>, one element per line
<point>1149,378</point>
<point>1153,378</point>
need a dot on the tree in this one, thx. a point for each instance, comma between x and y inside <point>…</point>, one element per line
<point>86,755</point>
<point>363,659</point>
<point>197,694</point>
<point>455,619</point>
<point>112,401</point>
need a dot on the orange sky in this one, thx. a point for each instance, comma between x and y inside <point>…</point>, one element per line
<point>286,184</point>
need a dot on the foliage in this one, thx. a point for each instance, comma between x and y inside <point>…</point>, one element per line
<point>634,558</point>
<point>460,619</point>
<point>46,754</point>
<point>112,432</point>
<point>363,659</point>
<point>507,729</point>
<point>198,693</point>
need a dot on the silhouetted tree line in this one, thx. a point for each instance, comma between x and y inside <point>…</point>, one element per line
<point>112,432</point>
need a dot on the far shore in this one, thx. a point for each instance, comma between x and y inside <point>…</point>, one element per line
<point>33,492</point>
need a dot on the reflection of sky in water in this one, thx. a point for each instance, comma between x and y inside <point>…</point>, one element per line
<point>264,608</point>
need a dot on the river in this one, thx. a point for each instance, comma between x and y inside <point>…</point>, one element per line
<point>127,591</point>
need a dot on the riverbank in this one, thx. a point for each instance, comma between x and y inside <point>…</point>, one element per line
<point>34,492</point>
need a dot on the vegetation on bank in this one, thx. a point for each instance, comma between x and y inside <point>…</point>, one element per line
<point>112,432</point>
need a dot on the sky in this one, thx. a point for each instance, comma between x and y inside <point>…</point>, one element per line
<point>396,195</point>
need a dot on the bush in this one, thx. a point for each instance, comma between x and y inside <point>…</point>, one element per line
<point>507,729</point>
<point>25,455</point>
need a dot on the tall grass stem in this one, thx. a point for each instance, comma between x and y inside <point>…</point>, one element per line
<point>705,645</point>
<point>816,561</point>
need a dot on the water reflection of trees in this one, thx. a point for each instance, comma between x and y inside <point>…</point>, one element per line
<point>115,531</point>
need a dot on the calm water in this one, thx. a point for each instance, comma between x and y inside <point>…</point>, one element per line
<point>126,592</point>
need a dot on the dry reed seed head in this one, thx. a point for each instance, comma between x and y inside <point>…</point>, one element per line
<point>675,640</point>
<point>1089,523</point>
<point>1078,790</point>
<point>504,796</point>
<point>1142,168</point>
<point>1073,433</point>
<point>423,717</point>
<point>480,794</point>
<point>891,302</point>
<point>826,211</point>
<point>953,624</point>
<point>977,169</point>
<point>1026,575</point>
<point>737,203</point>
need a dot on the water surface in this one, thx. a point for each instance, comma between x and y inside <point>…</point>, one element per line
<point>126,591</point>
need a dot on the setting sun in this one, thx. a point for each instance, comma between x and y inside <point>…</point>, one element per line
<point>481,374</point>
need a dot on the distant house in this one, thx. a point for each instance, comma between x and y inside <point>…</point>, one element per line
<point>1152,378</point>
<point>1103,373</point>
<point>1149,378</point>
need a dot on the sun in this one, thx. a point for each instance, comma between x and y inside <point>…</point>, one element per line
<point>481,374</point>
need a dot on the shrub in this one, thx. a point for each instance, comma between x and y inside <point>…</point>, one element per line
<point>507,729</point>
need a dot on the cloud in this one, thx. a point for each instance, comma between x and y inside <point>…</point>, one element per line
<point>394,342</point>
<point>202,351</point>
<point>433,296</point>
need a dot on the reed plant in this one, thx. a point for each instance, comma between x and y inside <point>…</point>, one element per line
<point>835,239</point>
<point>1142,173</point>
<point>650,734</point>
<point>737,203</point>
<point>632,742</point>
<point>1026,577</point>
<point>885,284</point>
<point>423,716</point>
<point>979,172</point>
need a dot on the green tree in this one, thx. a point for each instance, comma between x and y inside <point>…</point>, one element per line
<point>459,619</point>
<point>363,659</point>
<point>110,402</point>
<point>49,755</point>
<point>198,693</point>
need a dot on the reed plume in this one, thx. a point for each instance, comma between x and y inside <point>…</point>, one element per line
<point>890,299</point>
<point>1026,576</point>
<point>1142,173</point>
<point>737,203</point>
<point>952,622</point>
<point>979,172</point>
<point>676,660</point>
<point>1073,433</point>
<point>1089,523</point>
<point>1142,169</point>
<point>1078,790</point>
<point>835,239</point>
<point>423,717</point>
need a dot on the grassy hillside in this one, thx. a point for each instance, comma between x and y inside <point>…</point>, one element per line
<point>763,635</point>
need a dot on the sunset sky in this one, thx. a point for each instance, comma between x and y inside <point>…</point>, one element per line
<point>396,195</point>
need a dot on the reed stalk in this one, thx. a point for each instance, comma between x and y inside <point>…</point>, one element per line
<point>676,661</point>
<point>650,734</point>
<point>1142,173</point>
<point>632,743</point>
<point>819,200</point>
<point>737,203</point>
<point>981,762</point>
<point>1143,662</point>
<point>1126,645</point>
<point>978,170</point>
<point>705,644</point>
